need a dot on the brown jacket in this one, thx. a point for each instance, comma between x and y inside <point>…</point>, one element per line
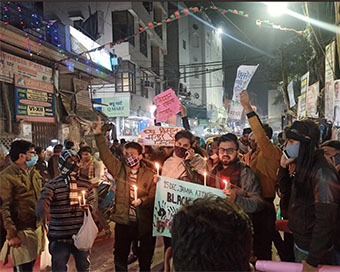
<point>146,189</point>
<point>265,161</point>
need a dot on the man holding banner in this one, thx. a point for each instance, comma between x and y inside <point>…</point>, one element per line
<point>135,195</point>
<point>237,180</point>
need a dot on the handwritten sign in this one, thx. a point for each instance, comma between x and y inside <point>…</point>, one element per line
<point>243,77</point>
<point>171,194</point>
<point>160,136</point>
<point>167,105</point>
<point>312,100</point>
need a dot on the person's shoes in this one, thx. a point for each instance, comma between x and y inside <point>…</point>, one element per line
<point>132,258</point>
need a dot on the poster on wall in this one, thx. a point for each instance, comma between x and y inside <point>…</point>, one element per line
<point>312,100</point>
<point>329,100</point>
<point>11,65</point>
<point>301,112</point>
<point>171,194</point>
<point>304,82</point>
<point>35,100</point>
<point>336,105</point>
<point>291,94</point>
<point>329,80</point>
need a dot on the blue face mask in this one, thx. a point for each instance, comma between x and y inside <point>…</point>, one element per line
<point>32,162</point>
<point>293,150</point>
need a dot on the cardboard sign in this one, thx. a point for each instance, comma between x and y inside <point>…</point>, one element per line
<point>171,194</point>
<point>160,136</point>
<point>167,105</point>
<point>312,100</point>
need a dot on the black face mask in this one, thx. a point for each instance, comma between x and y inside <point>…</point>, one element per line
<point>180,151</point>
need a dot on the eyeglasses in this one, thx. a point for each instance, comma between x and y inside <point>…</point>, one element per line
<point>229,151</point>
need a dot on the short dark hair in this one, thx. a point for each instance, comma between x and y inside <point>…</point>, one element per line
<point>214,234</point>
<point>229,137</point>
<point>38,150</point>
<point>136,146</point>
<point>185,134</point>
<point>58,148</point>
<point>115,141</point>
<point>122,141</point>
<point>332,143</point>
<point>84,149</point>
<point>280,135</point>
<point>19,147</point>
<point>268,130</point>
<point>246,131</point>
<point>69,145</point>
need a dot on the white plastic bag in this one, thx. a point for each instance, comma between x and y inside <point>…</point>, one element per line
<point>85,237</point>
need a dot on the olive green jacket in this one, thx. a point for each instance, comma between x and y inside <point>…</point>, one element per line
<point>19,192</point>
<point>146,189</point>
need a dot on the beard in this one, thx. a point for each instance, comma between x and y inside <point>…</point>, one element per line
<point>226,160</point>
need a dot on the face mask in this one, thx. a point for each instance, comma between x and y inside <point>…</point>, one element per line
<point>293,150</point>
<point>180,151</point>
<point>32,162</point>
<point>131,161</point>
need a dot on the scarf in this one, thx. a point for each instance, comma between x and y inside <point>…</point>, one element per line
<point>70,176</point>
<point>231,173</point>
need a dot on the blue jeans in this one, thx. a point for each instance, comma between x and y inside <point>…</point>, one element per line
<point>61,252</point>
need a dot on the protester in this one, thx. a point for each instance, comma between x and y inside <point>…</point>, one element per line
<point>116,149</point>
<point>91,170</point>
<point>212,150</point>
<point>210,234</point>
<point>244,142</point>
<point>133,216</point>
<point>82,144</point>
<point>315,196</point>
<point>60,207</point>
<point>198,149</point>
<point>331,149</point>
<point>243,186</point>
<point>280,140</point>
<point>20,186</point>
<point>69,145</point>
<point>41,164</point>
<point>264,160</point>
<point>53,169</point>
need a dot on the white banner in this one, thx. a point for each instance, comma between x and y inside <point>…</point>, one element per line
<point>171,194</point>
<point>304,83</point>
<point>292,102</point>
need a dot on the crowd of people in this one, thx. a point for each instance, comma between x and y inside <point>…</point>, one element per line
<point>208,234</point>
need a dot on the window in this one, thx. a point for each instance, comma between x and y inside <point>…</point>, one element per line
<point>194,26</point>
<point>144,84</point>
<point>143,43</point>
<point>195,40</point>
<point>155,59</point>
<point>122,26</point>
<point>126,78</point>
<point>184,44</point>
<point>158,88</point>
<point>148,6</point>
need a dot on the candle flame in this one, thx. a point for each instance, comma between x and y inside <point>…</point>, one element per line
<point>134,187</point>
<point>205,173</point>
<point>157,165</point>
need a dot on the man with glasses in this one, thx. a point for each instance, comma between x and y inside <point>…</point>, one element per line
<point>236,179</point>
<point>20,186</point>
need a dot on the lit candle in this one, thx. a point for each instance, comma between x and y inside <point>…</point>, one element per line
<point>135,188</point>
<point>205,178</point>
<point>157,167</point>
<point>79,199</point>
<point>226,183</point>
<point>84,200</point>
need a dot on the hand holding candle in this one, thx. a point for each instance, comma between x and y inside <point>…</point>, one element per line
<point>226,184</point>
<point>157,167</point>
<point>135,188</point>
<point>79,200</point>
<point>84,200</point>
<point>205,178</point>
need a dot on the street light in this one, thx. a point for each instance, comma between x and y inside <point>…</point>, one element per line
<point>219,31</point>
<point>276,8</point>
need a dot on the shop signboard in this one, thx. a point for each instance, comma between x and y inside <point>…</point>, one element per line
<point>312,101</point>
<point>160,136</point>
<point>118,106</point>
<point>171,194</point>
<point>11,65</point>
<point>35,100</point>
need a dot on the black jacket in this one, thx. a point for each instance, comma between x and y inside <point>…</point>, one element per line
<point>41,166</point>
<point>312,217</point>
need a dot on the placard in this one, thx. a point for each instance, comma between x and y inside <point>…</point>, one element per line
<point>171,194</point>
<point>329,81</point>
<point>312,101</point>
<point>301,113</point>
<point>167,104</point>
<point>159,136</point>
<point>336,103</point>
<point>292,102</point>
<point>35,100</point>
<point>304,83</point>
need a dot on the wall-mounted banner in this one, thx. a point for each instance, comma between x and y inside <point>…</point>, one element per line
<point>243,77</point>
<point>35,100</point>
<point>156,135</point>
<point>301,112</point>
<point>329,81</point>
<point>171,194</point>
<point>304,82</point>
<point>11,65</point>
<point>312,100</point>
<point>329,100</point>
<point>336,103</point>
<point>292,102</point>
<point>118,106</point>
<point>167,104</point>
